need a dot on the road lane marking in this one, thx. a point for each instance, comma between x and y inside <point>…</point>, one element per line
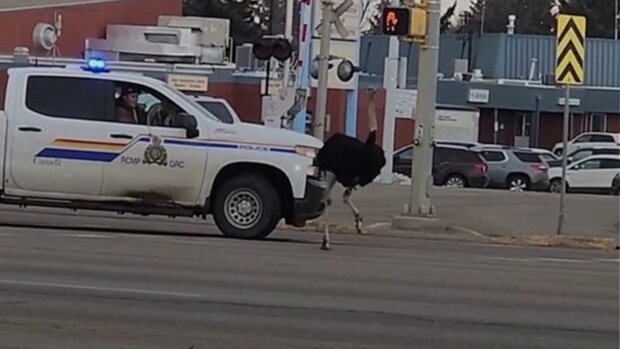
<point>562,260</point>
<point>509,259</point>
<point>6,234</point>
<point>608,260</point>
<point>99,288</point>
<point>89,236</point>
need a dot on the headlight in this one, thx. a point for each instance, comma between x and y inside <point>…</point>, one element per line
<point>306,151</point>
<point>312,171</point>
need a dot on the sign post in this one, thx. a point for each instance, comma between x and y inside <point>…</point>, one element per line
<point>569,70</point>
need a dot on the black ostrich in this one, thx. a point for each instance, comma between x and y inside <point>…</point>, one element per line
<point>352,163</point>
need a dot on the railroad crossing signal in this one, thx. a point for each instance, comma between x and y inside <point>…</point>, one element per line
<point>335,18</point>
<point>570,50</point>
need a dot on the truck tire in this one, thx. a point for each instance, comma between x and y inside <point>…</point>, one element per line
<point>246,207</point>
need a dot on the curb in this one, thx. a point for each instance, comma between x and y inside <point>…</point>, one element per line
<point>566,241</point>
<point>577,242</point>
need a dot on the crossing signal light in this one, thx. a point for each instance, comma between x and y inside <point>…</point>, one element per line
<point>409,24</point>
<point>396,21</point>
<point>265,48</point>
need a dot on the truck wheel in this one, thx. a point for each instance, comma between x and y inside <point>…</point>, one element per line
<point>246,207</point>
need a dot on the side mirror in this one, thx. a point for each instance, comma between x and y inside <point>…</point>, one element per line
<point>189,123</point>
<point>577,167</point>
<point>569,159</point>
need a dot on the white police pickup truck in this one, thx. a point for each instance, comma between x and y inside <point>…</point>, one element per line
<point>64,143</point>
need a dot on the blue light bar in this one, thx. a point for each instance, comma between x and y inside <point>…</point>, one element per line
<point>96,65</point>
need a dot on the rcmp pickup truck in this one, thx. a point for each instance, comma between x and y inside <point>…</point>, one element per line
<point>61,146</point>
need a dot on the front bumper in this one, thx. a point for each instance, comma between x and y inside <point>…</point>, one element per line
<point>312,205</point>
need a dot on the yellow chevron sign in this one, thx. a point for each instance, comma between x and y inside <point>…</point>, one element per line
<point>570,50</point>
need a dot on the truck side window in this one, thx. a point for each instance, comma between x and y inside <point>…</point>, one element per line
<point>219,110</point>
<point>63,97</point>
<point>141,105</point>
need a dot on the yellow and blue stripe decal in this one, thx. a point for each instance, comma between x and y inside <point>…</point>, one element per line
<point>102,151</point>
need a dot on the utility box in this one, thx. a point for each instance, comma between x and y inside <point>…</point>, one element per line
<point>210,32</point>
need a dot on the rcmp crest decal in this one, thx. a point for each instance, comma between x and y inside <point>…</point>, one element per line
<point>155,153</point>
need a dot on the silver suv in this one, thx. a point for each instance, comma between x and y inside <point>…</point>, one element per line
<point>516,169</point>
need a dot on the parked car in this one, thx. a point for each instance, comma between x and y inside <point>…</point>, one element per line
<point>515,169</point>
<point>588,140</point>
<point>453,166</point>
<point>584,153</point>
<point>615,185</point>
<point>594,174</point>
<point>547,155</point>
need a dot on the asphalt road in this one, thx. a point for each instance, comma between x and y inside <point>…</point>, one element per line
<point>93,289</point>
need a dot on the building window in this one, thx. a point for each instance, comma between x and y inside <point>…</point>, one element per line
<point>594,122</point>
<point>598,122</point>
<point>524,124</point>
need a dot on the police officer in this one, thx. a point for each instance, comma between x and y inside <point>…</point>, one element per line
<point>127,109</point>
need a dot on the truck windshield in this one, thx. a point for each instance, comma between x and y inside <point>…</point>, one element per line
<point>180,94</point>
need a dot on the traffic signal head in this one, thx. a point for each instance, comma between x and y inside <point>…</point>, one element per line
<point>262,49</point>
<point>396,21</point>
<point>346,70</point>
<point>280,49</point>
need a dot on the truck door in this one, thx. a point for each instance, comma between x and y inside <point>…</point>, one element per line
<point>56,144</point>
<point>158,162</point>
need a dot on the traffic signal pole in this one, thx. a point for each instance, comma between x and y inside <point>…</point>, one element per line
<point>390,83</point>
<point>288,35</point>
<point>321,93</point>
<point>422,179</point>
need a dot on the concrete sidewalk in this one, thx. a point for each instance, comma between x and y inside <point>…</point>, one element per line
<point>488,212</point>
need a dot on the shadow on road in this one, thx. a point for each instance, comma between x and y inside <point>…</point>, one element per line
<point>136,231</point>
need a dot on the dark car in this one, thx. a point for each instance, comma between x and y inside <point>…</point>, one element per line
<point>584,153</point>
<point>615,185</point>
<point>453,166</point>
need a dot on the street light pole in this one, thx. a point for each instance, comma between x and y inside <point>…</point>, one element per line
<point>420,203</point>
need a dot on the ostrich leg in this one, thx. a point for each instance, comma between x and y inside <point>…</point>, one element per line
<point>356,213</point>
<point>325,246</point>
<point>330,178</point>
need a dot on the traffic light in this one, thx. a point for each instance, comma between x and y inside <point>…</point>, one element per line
<point>279,48</point>
<point>396,21</point>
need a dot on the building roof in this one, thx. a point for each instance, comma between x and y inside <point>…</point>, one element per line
<point>18,5</point>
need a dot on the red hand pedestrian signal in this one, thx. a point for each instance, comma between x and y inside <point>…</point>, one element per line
<point>391,21</point>
<point>396,21</point>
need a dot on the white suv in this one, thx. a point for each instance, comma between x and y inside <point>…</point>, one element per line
<point>592,174</point>
<point>589,140</point>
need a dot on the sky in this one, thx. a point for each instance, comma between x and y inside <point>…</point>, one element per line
<point>460,5</point>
